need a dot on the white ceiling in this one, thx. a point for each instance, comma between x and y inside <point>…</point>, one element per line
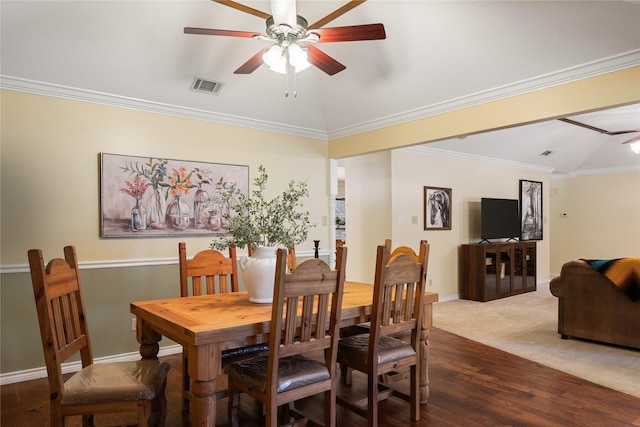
<point>438,55</point>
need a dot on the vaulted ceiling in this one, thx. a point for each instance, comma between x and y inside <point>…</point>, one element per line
<point>437,55</point>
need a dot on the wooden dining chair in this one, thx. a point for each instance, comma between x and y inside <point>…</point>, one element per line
<point>210,272</point>
<point>363,328</point>
<point>397,309</point>
<point>305,320</point>
<point>97,388</point>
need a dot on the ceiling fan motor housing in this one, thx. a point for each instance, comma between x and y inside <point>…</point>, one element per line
<point>281,32</point>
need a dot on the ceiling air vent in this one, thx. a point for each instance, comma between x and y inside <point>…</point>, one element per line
<point>206,86</point>
<point>546,153</point>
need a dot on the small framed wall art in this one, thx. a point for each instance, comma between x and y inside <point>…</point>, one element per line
<point>530,210</point>
<point>437,208</point>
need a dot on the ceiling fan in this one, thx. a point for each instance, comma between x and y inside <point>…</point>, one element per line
<point>619,132</point>
<point>293,38</point>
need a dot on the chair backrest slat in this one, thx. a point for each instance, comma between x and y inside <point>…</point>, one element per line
<point>220,273</point>
<point>306,308</point>
<point>322,318</point>
<point>398,292</point>
<point>61,315</point>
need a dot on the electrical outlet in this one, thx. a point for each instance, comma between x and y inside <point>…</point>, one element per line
<point>414,219</point>
<point>324,220</point>
<point>430,283</point>
<point>133,324</point>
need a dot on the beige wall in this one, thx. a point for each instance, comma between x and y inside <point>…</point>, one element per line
<point>49,189</point>
<point>603,217</point>
<point>469,182</point>
<point>368,205</point>
<point>384,193</point>
<point>50,170</point>
<point>603,91</point>
<point>50,198</point>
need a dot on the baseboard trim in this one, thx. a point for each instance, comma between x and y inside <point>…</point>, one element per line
<point>36,373</point>
<point>41,372</point>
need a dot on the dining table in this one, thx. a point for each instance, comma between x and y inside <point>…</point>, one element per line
<point>206,325</point>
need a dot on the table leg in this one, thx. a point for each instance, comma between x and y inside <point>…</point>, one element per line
<point>204,367</point>
<point>148,339</point>
<point>427,320</point>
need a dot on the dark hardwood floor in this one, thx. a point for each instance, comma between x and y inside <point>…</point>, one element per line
<point>471,385</point>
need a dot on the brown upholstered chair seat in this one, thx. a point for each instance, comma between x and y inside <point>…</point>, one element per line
<point>396,312</point>
<point>98,388</point>
<point>210,272</point>
<point>234,354</point>
<point>253,372</point>
<point>303,344</point>
<point>362,328</point>
<point>100,382</point>
<point>355,348</point>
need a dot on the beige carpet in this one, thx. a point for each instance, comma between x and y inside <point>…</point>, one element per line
<point>526,325</point>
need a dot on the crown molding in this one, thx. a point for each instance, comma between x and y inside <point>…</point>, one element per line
<point>474,158</point>
<point>591,69</point>
<point>583,71</point>
<point>585,172</point>
<point>507,163</point>
<point>75,94</point>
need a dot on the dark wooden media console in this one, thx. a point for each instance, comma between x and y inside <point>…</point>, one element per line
<point>497,270</point>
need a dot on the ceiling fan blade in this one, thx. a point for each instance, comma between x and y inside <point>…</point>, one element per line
<point>214,32</point>
<point>351,33</point>
<point>284,12</point>
<point>323,61</point>
<point>336,13</point>
<point>606,132</point>
<point>243,8</point>
<point>252,64</point>
<point>573,122</point>
<point>635,138</point>
<point>622,132</point>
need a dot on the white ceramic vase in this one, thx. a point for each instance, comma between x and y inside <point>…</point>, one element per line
<point>258,273</point>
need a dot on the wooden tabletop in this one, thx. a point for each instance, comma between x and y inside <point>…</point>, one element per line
<point>209,324</point>
<point>224,318</point>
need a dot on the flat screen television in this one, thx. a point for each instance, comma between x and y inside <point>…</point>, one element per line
<point>499,219</point>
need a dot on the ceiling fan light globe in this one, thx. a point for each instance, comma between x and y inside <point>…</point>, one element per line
<point>301,67</point>
<point>274,57</point>
<point>297,55</point>
<point>635,147</point>
<point>280,69</point>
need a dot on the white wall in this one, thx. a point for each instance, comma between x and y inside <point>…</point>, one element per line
<point>368,210</point>
<point>603,217</point>
<point>385,193</point>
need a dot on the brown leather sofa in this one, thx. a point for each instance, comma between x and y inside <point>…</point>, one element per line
<point>591,307</point>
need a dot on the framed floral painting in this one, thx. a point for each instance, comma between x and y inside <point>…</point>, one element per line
<point>151,197</point>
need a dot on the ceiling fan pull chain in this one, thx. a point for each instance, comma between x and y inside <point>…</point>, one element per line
<point>295,86</point>
<point>290,76</point>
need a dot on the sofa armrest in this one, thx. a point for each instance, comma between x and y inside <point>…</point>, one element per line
<point>572,271</point>
<point>558,287</point>
<point>592,307</point>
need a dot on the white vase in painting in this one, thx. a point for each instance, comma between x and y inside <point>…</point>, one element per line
<point>258,273</point>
